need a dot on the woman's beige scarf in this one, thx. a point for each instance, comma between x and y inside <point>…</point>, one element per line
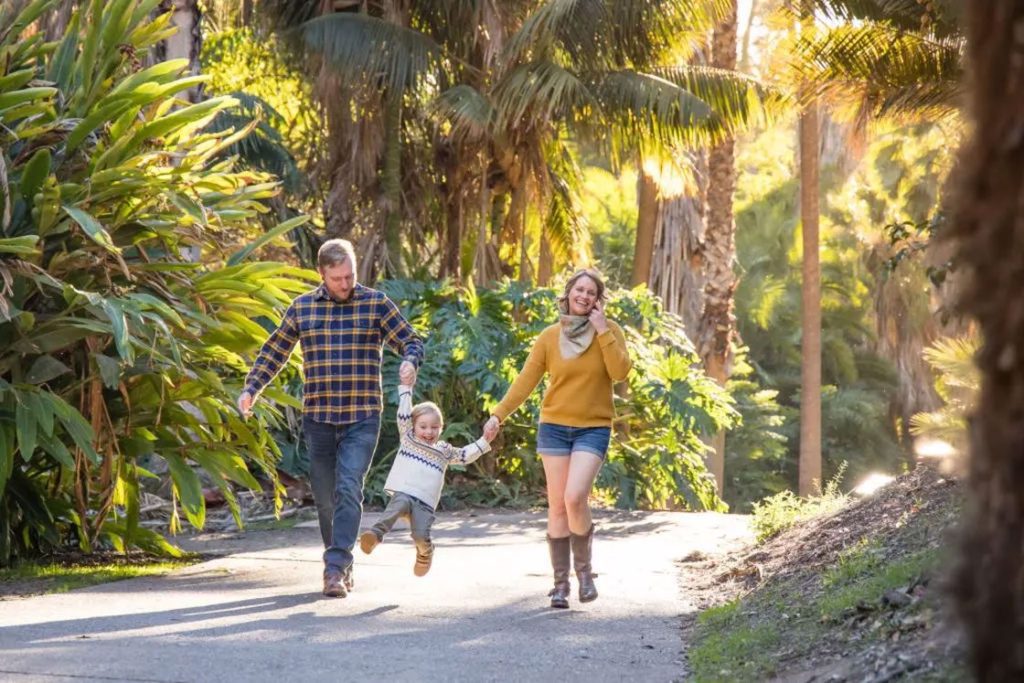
<point>576,333</point>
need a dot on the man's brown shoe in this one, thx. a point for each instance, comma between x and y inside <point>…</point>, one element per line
<point>348,580</point>
<point>334,586</point>
<point>368,540</point>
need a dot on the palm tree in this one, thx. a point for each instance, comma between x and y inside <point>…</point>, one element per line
<point>886,57</point>
<point>717,325</point>
<point>881,58</point>
<point>809,472</point>
<point>501,107</point>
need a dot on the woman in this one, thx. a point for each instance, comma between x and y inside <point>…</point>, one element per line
<point>583,354</point>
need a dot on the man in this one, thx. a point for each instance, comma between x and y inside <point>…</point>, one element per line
<point>342,327</point>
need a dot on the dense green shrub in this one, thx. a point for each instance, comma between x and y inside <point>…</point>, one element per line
<point>115,349</point>
<point>476,341</point>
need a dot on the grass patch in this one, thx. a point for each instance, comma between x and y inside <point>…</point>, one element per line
<point>744,652</point>
<point>775,514</point>
<point>742,639</point>
<point>853,563</point>
<point>33,578</point>
<point>874,579</point>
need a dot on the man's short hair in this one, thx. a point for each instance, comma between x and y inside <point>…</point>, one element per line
<point>334,252</point>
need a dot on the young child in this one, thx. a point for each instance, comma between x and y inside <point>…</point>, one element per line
<point>417,476</point>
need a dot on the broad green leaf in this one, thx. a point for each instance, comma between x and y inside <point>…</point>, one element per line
<point>227,464</point>
<point>45,368</point>
<point>94,120</point>
<point>7,438</point>
<point>35,172</point>
<point>9,100</point>
<point>26,424</point>
<point>42,408</point>
<point>189,488</point>
<point>115,20</point>
<point>120,328</point>
<point>26,244</point>
<point>187,116</point>
<point>77,427</point>
<point>57,450</point>
<point>152,74</point>
<point>62,65</point>
<point>110,370</point>
<point>16,79</point>
<point>86,62</point>
<point>29,14</point>
<point>271,234</point>
<point>92,228</point>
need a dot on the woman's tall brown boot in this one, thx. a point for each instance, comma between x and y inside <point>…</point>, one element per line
<point>559,549</point>
<point>581,547</point>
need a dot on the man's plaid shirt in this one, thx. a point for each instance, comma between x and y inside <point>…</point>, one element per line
<point>341,352</point>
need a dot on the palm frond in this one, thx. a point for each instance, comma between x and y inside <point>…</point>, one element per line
<point>896,72</point>
<point>954,359</point>
<point>543,90</point>
<point>643,32</point>
<point>468,112</point>
<point>549,23</point>
<point>645,111</point>
<point>565,224</point>
<point>940,17</point>
<point>288,14</point>
<point>740,101</point>
<point>372,51</point>
<point>611,34</point>
<point>263,148</point>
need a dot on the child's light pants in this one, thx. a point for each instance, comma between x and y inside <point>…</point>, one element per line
<point>419,515</point>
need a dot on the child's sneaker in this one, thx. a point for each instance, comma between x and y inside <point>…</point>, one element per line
<point>368,540</point>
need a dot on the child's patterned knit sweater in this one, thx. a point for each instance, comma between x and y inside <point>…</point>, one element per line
<point>419,467</point>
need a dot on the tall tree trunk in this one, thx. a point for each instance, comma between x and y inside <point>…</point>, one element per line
<point>187,42</point>
<point>646,222</point>
<point>545,260</point>
<point>744,65</point>
<point>677,269</point>
<point>905,325</point>
<point>455,177</point>
<point>810,345</point>
<point>56,21</point>
<point>718,324</point>
<point>391,185</point>
<point>987,222</point>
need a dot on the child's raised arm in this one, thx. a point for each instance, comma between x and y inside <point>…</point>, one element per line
<point>467,454</point>
<point>404,409</point>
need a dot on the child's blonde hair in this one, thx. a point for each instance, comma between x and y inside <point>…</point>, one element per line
<point>425,408</point>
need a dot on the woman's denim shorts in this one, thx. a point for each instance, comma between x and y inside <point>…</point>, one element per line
<point>555,439</point>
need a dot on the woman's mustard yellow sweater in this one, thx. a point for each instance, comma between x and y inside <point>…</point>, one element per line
<point>579,392</point>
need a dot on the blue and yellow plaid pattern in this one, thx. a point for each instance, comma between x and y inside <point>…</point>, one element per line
<point>341,345</point>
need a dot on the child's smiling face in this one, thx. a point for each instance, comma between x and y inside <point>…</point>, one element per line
<point>427,427</point>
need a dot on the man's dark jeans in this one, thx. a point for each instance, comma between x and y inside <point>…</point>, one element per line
<point>339,457</point>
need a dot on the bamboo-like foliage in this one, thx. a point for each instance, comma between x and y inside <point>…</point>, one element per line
<point>116,354</point>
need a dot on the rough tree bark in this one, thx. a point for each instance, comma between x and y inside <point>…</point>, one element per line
<point>718,324</point>
<point>810,345</point>
<point>646,220</point>
<point>988,226</point>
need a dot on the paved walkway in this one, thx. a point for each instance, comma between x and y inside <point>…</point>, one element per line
<point>256,614</point>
